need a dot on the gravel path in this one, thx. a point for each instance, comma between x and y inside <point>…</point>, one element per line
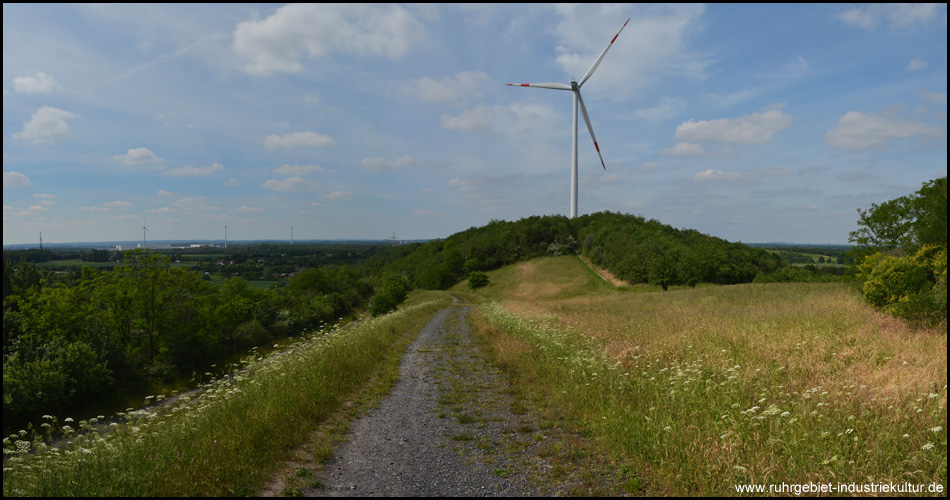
<point>449,427</point>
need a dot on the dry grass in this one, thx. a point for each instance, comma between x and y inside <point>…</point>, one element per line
<point>605,274</point>
<point>727,385</point>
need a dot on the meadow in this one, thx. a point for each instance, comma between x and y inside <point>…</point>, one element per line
<point>702,390</point>
<point>694,390</point>
<point>227,439</point>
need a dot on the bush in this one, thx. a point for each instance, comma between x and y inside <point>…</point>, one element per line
<point>62,376</point>
<point>913,287</point>
<point>477,280</point>
<point>394,293</point>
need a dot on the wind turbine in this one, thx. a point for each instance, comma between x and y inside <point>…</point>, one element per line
<point>575,87</point>
<point>144,229</point>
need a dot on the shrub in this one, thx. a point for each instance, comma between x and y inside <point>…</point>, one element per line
<point>913,287</point>
<point>394,293</point>
<point>477,280</point>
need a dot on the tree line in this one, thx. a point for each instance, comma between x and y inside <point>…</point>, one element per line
<point>632,248</point>
<point>68,344</point>
<point>74,339</point>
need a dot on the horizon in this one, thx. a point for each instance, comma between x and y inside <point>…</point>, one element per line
<point>766,122</point>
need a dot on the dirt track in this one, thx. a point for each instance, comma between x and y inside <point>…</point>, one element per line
<point>450,427</point>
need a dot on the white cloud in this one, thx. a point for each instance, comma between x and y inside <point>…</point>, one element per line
<point>121,205</point>
<point>478,118</point>
<point>29,212</point>
<point>46,199</point>
<point>15,179</point>
<point>717,175</point>
<point>39,84</point>
<point>794,69</point>
<point>906,16</point>
<point>297,169</point>
<point>916,64</point>
<point>247,210</point>
<point>858,17</point>
<point>189,171</point>
<point>290,184</point>
<point>513,118</point>
<point>685,149</point>
<point>277,43</point>
<point>232,182</point>
<point>387,164</point>
<point>655,45</point>
<point>311,139</point>
<point>667,108</point>
<point>138,156</point>
<point>46,127</point>
<point>856,130</point>
<point>934,97</point>
<point>756,128</point>
<point>109,206</point>
<point>194,205</point>
<point>453,90</point>
<point>339,196</point>
<point>162,192</point>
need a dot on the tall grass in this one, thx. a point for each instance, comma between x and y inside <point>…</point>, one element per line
<point>225,441</point>
<point>705,389</point>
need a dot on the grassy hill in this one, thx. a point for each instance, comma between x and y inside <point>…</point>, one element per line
<point>696,390</point>
<point>701,390</point>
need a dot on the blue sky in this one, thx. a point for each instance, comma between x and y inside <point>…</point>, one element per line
<point>751,123</point>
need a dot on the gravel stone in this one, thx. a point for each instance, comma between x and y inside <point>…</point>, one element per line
<point>447,429</point>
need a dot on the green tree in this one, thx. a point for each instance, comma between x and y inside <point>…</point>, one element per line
<point>394,292</point>
<point>905,224</point>
<point>662,271</point>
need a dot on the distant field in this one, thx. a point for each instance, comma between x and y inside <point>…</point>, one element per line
<point>81,263</point>
<point>257,284</point>
<point>701,390</point>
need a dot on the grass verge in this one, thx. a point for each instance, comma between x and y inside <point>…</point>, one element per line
<point>227,440</point>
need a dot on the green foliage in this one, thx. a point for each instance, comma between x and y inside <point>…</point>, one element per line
<point>913,287</point>
<point>51,377</point>
<point>394,292</point>
<point>642,251</point>
<point>71,343</point>
<point>563,246</point>
<point>905,224</point>
<point>632,248</point>
<point>478,279</point>
<point>903,265</point>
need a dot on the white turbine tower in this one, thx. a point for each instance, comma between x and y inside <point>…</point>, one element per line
<point>144,242</point>
<point>575,87</point>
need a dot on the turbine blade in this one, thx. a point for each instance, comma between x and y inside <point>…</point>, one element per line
<point>580,101</point>
<point>555,86</point>
<point>602,54</point>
